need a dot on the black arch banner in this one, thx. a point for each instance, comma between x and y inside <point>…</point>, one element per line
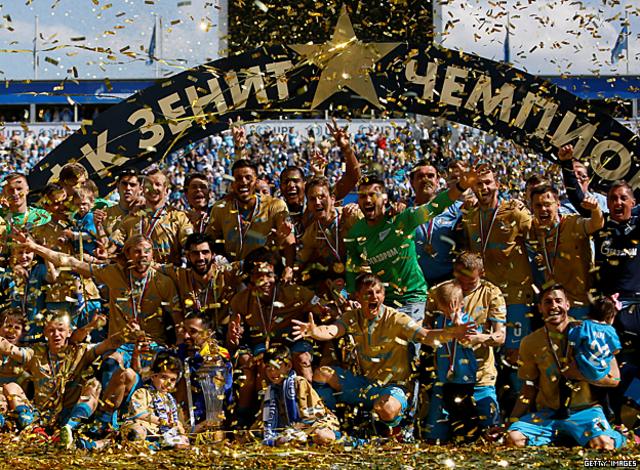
<point>407,78</point>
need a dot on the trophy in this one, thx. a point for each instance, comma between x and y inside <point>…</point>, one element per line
<point>211,378</point>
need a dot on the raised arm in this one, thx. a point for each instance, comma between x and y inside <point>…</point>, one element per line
<point>17,353</point>
<point>571,186</point>
<point>434,337</point>
<point>317,332</point>
<point>239,138</point>
<point>352,173</point>
<point>596,221</point>
<point>57,258</point>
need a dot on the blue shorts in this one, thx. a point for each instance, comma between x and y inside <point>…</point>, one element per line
<point>541,429</point>
<point>437,417</point>
<point>357,389</point>
<point>518,324</point>
<point>487,405</point>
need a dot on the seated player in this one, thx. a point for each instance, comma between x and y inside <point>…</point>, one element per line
<point>381,334</point>
<point>264,311</point>
<point>292,410</point>
<point>154,411</point>
<point>64,394</point>
<point>565,406</point>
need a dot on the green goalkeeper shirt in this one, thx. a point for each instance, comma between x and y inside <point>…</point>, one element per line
<point>389,250</point>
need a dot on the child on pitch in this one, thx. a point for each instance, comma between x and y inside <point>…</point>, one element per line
<point>21,287</point>
<point>456,365</point>
<point>12,325</point>
<point>154,413</point>
<point>65,392</point>
<point>595,341</point>
<point>292,410</point>
<point>85,227</point>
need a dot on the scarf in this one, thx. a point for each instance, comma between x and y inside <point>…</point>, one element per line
<point>165,408</point>
<point>271,411</point>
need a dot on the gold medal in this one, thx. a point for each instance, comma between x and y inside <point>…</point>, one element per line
<point>428,248</point>
<point>338,267</point>
<point>450,374</point>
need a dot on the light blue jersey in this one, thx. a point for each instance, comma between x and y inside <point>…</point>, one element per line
<point>455,363</point>
<point>594,344</point>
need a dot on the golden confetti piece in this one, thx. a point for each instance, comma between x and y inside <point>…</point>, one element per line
<point>51,60</point>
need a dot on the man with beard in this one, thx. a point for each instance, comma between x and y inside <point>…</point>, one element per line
<point>14,210</point>
<point>497,230</point>
<point>198,194</point>
<point>434,240</point>
<point>129,184</point>
<point>381,335</point>
<point>385,243</point>
<point>139,297</point>
<point>204,287</point>
<point>324,254</point>
<point>565,407</point>
<point>617,260</point>
<point>245,221</point>
<point>561,246</point>
<point>166,227</point>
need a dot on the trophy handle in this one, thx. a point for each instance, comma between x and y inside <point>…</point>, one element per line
<point>187,382</point>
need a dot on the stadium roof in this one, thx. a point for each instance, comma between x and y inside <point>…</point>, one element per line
<point>110,92</point>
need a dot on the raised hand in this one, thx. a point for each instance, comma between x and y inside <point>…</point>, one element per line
<point>238,133</point>
<point>99,216</point>
<point>318,162</point>
<point>23,239</point>
<point>469,176</point>
<point>565,152</point>
<point>462,331</point>
<point>590,203</point>
<point>283,230</point>
<point>339,134</point>
<point>303,330</point>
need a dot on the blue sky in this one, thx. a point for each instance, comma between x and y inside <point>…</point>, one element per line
<point>548,36</point>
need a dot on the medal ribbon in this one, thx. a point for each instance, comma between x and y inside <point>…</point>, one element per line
<point>137,305</point>
<point>157,215</point>
<point>196,296</point>
<point>484,238</point>
<point>267,326</point>
<point>550,258</point>
<point>333,248</point>
<point>241,232</point>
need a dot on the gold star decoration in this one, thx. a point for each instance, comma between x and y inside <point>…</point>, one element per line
<point>345,62</point>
